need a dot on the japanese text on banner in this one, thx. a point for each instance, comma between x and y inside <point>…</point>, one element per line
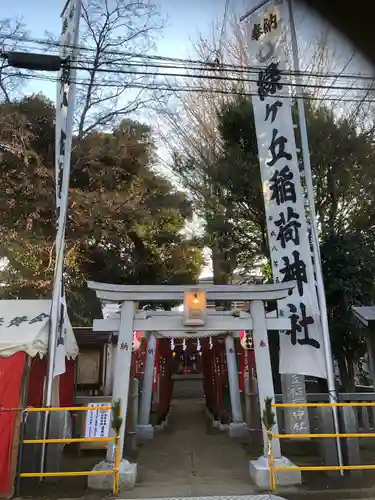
<point>301,349</point>
<point>64,101</point>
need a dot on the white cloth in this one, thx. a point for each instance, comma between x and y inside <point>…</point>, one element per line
<point>24,326</point>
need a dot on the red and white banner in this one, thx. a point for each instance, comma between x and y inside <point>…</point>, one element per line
<point>244,368</point>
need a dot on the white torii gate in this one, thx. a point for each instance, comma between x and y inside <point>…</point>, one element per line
<point>168,324</point>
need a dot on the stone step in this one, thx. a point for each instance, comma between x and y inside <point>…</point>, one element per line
<point>187,389</point>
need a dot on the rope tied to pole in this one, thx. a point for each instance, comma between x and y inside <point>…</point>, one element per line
<point>269,420</point>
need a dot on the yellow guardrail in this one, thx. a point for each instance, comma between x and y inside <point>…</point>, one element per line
<point>273,469</point>
<point>116,438</point>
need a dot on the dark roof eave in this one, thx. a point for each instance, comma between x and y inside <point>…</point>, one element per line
<point>365,314</point>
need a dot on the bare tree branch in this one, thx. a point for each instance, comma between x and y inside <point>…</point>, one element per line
<point>11,79</point>
<point>107,97</point>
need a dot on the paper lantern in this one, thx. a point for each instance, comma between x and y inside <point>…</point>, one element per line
<point>137,341</point>
<point>246,340</point>
<point>195,307</point>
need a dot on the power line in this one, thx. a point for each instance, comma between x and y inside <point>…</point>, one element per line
<point>226,78</point>
<point>120,70</point>
<point>170,88</point>
<point>220,78</point>
<point>239,69</point>
<point>56,43</point>
<point>207,64</point>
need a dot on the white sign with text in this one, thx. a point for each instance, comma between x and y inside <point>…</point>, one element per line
<point>98,422</point>
<point>301,348</point>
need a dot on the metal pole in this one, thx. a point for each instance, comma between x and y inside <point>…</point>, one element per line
<point>75,7</point>
<point>314,230</point>
<point>254,10</point>
<point>20,451</point>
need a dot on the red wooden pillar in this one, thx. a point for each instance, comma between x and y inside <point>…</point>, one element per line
<point>206,369</point>
<point>205,384</point>
<point>170,385</point>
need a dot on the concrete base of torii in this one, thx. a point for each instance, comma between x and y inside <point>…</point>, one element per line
<point>127,476</point>
<point>145,432</point>
<point>238,430</point>
<point>260,473</point>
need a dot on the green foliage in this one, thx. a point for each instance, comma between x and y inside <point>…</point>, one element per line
<point>342,166</point>
<point>116,416</point>
<point>349,271</point>
<point>125,222</point>
<point>266,271</point>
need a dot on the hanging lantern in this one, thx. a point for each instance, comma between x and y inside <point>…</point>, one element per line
<point>246,339</point>
<point>172,345</point>
<point>137,341</point>
<point>199,346</point>
<point>195,307</point>
<point>210,343</point>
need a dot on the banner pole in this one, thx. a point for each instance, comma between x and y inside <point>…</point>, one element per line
<point>315,241</point>
<point>65,101</point>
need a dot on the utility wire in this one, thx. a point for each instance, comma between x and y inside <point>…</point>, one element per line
<point>219,78</point>
<point>226,78</point>
<point>203,63</point>
<point>239,69</point>
<point>171,88</point>
<point>205,66</point>
<point>121,68</point>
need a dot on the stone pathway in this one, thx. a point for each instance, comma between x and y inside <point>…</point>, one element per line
<point>189,460</point>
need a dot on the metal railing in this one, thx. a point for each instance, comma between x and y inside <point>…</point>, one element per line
<point>273,469</point>
<point>115,438</point>
<point>365,414</point>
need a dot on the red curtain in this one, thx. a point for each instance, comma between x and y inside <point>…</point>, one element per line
<point>67,380</point>
<point>36,381</point>
<point>11,370</point>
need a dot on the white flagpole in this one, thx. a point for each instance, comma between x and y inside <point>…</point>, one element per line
<point>64,132</point>
<point>315,241</point>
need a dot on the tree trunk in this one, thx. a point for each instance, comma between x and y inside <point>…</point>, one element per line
<point>344,374</point>
<point>220,275</point>
<point>351,382</point>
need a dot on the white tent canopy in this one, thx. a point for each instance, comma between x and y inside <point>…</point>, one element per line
<point>24,326</point>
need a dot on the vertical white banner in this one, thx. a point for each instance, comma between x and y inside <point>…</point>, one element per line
<point>301,348</point>
<point>65,101</point>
